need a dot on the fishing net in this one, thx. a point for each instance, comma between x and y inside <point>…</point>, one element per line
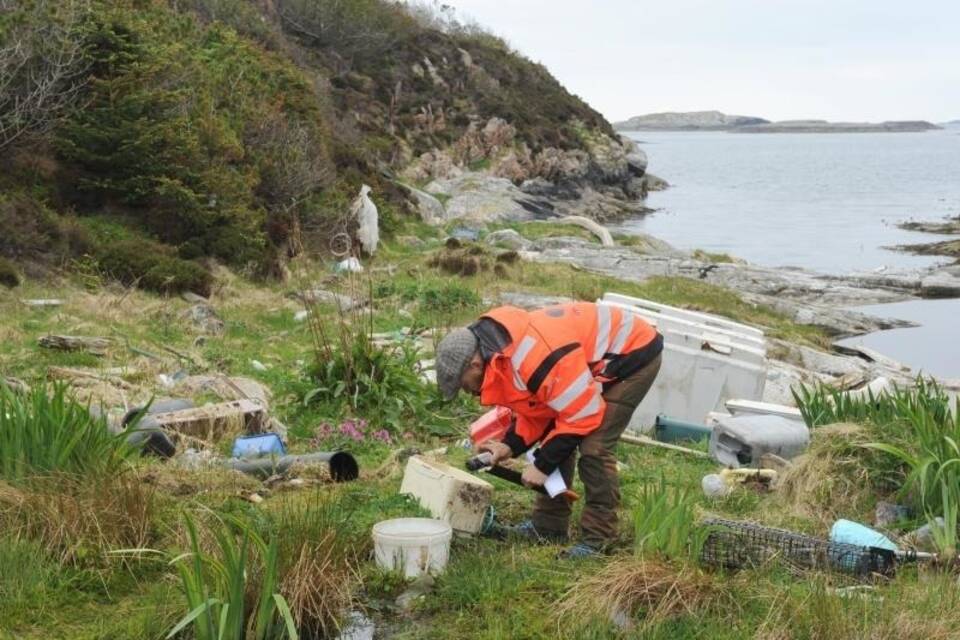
<point>739,545</point>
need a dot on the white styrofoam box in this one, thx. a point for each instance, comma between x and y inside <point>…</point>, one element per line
<point>648,306</point>
<point>664,321</point>
<point>707,360</point>
<point>450,494</point>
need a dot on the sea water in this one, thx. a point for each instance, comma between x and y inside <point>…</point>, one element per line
<point>826,202</point>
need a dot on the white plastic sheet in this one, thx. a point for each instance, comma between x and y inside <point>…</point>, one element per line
<point>366,212</point>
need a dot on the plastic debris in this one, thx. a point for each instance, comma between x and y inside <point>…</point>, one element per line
<point>715,487</point>
<point>351,265</point>
<point>366,213</point>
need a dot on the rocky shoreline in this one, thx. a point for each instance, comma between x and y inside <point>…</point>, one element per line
<point>804,296</point>
<point>947,248</point>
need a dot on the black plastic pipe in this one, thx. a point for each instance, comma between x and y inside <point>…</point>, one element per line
<point>343,466</point>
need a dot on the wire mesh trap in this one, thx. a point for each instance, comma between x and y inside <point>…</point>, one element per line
<point>741,545</point>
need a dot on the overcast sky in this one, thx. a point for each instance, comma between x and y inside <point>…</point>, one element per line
<point>778,59</point>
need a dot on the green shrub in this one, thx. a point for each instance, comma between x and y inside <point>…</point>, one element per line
<point>33,232</point>
<point>150,266</point>
<point>9,274</point>
<point>45,432</point>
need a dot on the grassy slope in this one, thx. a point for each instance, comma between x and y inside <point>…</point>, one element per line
<point>491,590</point>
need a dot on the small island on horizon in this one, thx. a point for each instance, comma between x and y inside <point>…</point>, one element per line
<point>718,121</point>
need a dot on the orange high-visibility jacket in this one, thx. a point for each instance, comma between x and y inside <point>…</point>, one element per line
<point>552,370</point>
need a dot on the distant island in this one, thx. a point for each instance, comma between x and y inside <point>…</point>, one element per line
<point>687,121</point>
<point>717,121</point>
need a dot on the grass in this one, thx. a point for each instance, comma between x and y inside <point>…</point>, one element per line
<point>490,590</point>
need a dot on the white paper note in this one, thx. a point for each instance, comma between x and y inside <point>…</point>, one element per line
<point>554,484</point>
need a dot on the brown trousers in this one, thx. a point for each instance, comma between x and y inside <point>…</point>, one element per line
<point>598,467</point>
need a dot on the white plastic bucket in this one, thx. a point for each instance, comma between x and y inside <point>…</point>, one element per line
<point>412,545</point>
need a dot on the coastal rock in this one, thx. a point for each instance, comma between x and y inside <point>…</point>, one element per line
<point>635,156</point>
<point>481,198</point>
<point>940,285</point>
<point>428,206</point>
<point>654,183</point>
<point>509,239</point>
<point>796,293</point>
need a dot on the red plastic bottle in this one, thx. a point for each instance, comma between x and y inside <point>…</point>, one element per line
<point>491,425</point>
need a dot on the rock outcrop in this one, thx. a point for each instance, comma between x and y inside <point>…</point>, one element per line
<point>489,174</point>
<point>804,296</point>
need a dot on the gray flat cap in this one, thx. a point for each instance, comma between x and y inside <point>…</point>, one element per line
<point>453,355</point>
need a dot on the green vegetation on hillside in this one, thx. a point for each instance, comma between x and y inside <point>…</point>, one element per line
<point>237,130</point>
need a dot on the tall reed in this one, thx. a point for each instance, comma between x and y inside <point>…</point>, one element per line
<point>45,431</point>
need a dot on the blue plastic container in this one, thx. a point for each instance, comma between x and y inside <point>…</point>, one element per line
<point>258,446</point>
<point>849,532</point>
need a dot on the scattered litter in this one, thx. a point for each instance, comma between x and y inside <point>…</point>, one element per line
<point>351,265</point>
<point>741,440</point>
<point>669,430</point>
<point>258,366</point>
<point>448,493</point>
<point>358,627</point>
<point>715,487</point>
<point>211,422</point>
<point>860,591</point>
<point>650,442</point>
<point>258,445</point>
<point>719,485</point>
<point>49,302</point>
<point>413,546</point>
<point>367,216</point>
<point>742,545</point>
<point>255,498</point>
<point>301,316</point>
<point>491,426</point>
<point>93,346</point>
<point>342,466</point>
<point>851,532</point>
<point>753,407</point>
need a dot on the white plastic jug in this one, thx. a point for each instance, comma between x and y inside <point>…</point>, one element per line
<point>413,546</point>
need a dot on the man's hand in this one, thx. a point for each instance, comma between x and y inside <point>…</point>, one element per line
<point>533,477</point>
<point>498,450</point>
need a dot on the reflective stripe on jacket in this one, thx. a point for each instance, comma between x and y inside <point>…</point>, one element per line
<point>552,371</point>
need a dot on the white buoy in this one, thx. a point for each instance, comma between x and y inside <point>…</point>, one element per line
<point>368,217</point>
